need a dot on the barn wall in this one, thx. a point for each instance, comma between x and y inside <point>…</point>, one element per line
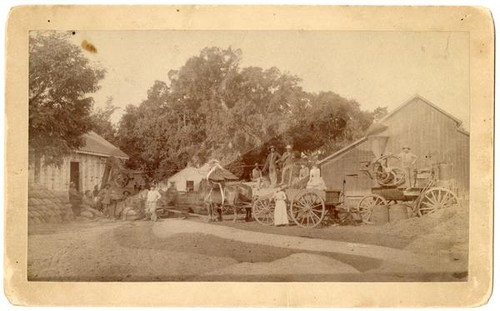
<point>335,170</point>
<point>428,131</point>
<point>58,178</point>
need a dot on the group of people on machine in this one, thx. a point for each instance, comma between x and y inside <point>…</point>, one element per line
<point>109,204</point>
<point>287,170</point>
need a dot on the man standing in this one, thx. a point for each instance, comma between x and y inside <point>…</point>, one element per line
<point>105,196</point>
<point>151,203</point>
<point>270,165</point>
<point>287,161</point>
<point>408,160</point>
<point>75,199</point>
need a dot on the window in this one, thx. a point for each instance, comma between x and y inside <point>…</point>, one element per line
<point>189,186</point>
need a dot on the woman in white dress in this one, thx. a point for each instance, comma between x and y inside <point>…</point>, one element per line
<point>315,180</point>
<point>280,214</point>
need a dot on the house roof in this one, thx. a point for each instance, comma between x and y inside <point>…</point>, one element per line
<point>214,171</point>
<point>97,145</point>
<point>211,170</point>
<point>187,170</point>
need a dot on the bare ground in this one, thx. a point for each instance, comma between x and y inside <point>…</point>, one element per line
<point>130,251</point>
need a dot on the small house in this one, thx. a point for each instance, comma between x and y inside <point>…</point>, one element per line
<point>85,166</point>
<point>188,179</point>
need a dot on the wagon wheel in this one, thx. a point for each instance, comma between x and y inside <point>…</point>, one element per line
<point>381,175</point>
<point>399,176</point>
<point>367,204</point>
<point>386,171</point>
<point>307,208</point>
<point>263,211</point>
<point>434,199</point>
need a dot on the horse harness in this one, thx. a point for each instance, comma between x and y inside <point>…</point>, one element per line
<point>219,185</point>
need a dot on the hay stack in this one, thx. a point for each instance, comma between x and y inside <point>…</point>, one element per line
<point>45,207</point>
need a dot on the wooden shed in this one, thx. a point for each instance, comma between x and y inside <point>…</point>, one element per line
<point>84,167</point>
<point>434,135</point>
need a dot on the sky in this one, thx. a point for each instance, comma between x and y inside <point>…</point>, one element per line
<point>373,68</point>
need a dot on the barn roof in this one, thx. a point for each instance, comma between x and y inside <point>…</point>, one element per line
<point>426,101</point>
<point>97,145</point>
<point>343,150</point>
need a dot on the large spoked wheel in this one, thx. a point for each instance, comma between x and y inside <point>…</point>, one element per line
<point>399,176</point>
<point>263,211</point>
<point>435,199</point>
<point>386,171</point>
<point>307,209</point>
<point>367,204</point>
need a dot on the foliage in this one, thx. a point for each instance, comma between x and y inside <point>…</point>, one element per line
<point>101,121</point>
<point>60,79</point>
<point>212,108</point>
<point>379,113</point>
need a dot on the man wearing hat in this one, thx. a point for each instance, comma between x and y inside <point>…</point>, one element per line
<point>287,160</point>
<point>408,161</point>
<point>106,201</point>
<point>270,165</point>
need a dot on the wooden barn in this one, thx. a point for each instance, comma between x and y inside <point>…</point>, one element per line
<point>84,167</point>
<point>433,135</point>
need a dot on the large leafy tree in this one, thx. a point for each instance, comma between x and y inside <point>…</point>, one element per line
<point>101,121</point>
<point>213,108</point>
<point>61,78</point>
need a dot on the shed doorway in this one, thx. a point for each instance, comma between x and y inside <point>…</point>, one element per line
<point>74,174</point>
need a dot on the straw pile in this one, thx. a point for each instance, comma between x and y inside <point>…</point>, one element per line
<point>45,207</point>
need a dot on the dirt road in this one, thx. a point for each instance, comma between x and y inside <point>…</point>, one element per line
<point>190,250</point>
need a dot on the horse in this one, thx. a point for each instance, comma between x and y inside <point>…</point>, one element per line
<point>219,195</point>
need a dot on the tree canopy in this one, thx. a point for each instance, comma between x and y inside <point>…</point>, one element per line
<point>61,78</point>
<point>101,121</point>
<point>213,108</point>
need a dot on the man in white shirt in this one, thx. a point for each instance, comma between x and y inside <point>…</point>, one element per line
<point>408,161</point>
<point>151,199</point>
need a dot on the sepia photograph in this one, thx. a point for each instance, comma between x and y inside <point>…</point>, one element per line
<point>248,156</point>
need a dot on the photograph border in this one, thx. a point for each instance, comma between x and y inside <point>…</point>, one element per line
<point>476,291</point>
